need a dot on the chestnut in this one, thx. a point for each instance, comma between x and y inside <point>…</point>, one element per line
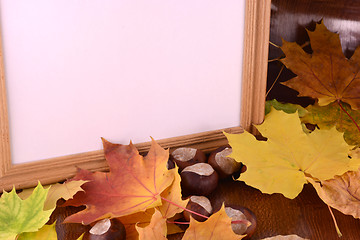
<point>185,156</point>
<point>199,204</point>
<point>106,229</point>
<point>242,213</point>
<point>170,164</point>
<point>223,165</point>
<point>198,179</point>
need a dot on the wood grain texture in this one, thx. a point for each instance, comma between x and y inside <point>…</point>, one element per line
<point>252,111</point>
<point>5,160</point>
<point>256,41</point>
<point>60,168</point>
<point>306,215</point>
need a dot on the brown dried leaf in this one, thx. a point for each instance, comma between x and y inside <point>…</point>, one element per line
<point>341,193</point>
<point>326,74</point>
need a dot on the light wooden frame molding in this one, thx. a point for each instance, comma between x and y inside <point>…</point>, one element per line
<point>256,40</point>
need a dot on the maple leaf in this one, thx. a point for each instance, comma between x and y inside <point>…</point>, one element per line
<point>56,191</point>
<point>18,216</point>
<point>133,184</point>
<point>217,226</point>
<point>341,193</point>
<point>47,232</point>
<point>331,115</point>
<point>81,237</point>
<point>172,205</point>
<point>281,164</point>
<point>326,74</point>
<point>141,219</point>
<point>172,202</point>
<point>155,230</point>
<point>172,228</point>
<point>286,107</point>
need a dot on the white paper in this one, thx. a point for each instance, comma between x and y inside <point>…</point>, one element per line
<point>123,70</point>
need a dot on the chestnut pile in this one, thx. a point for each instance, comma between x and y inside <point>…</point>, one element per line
<point>200,175</point>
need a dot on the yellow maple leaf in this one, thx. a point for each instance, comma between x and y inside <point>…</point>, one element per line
<point>216,227</point>
<point>47,232</point>
<point>171,198</point>
<point>139,219</point>
<point>56,191</point>
<point>156,230</point>
<point>282,163</point>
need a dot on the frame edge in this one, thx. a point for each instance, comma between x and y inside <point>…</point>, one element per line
<point>256,37</point>
<point>255,60</point>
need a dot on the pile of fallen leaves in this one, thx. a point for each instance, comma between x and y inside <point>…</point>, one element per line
<point>141,197</point>
<point>293,155</point>
<point>138,198</point>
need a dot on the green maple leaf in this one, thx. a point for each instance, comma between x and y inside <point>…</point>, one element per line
<point>282,163</point>
<point>286,107</point>
<point>18,216</point>
<point>331,115</point>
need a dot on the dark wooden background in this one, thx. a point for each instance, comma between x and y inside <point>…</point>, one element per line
<point>290,18</point>
<point>306,216</point>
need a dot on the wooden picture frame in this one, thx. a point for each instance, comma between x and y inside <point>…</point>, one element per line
<point>256,37</point>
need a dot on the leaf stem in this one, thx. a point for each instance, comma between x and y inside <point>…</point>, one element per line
<point>352,119</point>
<point>185,209</point>
<point>273,44</point>
<point>282,68</point>
<point>274,59</point>
<point>185,223</point>
<point>335,223</point>
<point>242,221</point>
<point>247,222</point>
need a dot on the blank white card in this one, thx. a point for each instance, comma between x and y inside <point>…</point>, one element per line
<point>123,70</point>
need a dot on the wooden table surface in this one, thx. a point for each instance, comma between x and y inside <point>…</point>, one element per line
<point>306,215</point>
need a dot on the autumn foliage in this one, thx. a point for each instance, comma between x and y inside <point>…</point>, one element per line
<point>326,74</point>
<point>293,155</point>
<point>141,192</point>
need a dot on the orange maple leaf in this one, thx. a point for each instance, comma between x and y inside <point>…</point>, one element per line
<point>326,74</point>
<point>133,184</point>
<point>172,205</point>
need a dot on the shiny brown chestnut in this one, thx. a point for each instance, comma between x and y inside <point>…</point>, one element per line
<point>170,164</point>
<point>185,156</point>
<point>106,229</point>
<point>223,165</point>
<point>242,213</point>
<point>198,204</point>
<point>198,179</point>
